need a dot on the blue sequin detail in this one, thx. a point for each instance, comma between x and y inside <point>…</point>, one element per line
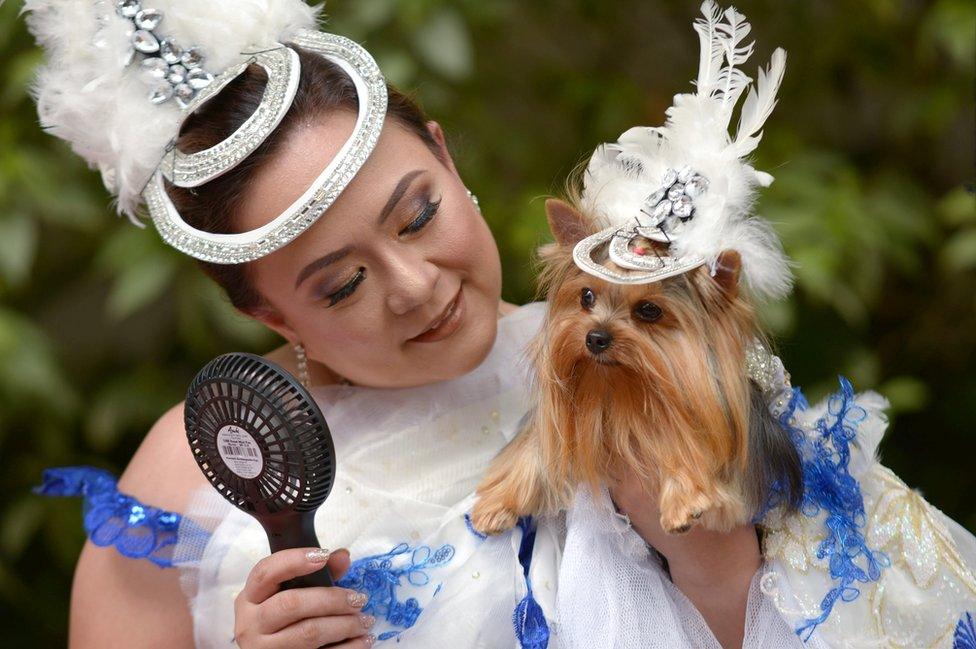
<point>530,622</point>
<point>965,635</point>
<point>378,577</point>
<point>136,530</point>
<point>467,521</point>
<point>829,487</point>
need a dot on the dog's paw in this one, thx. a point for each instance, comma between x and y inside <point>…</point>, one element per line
<point>727,513</point>
<point>491,518</point>
<point>678,522</point>
<point>680,513</point>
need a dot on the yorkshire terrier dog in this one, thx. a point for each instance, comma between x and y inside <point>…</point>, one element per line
<point>647,377</point>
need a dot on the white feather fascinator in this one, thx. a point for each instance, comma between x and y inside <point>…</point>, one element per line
<point>89,95</point>
<point>688,183</point>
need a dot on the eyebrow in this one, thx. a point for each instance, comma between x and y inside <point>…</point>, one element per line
<point>397,194</point>
<point>335,256</point>
<point>321,262</point>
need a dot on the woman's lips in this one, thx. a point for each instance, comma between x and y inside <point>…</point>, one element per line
<point>448,325</point>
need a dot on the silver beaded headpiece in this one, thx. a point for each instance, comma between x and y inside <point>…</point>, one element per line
<point>93,92</point>
<point>686,185</point>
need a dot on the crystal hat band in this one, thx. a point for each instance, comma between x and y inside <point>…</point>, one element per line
<point>191,170</point>
<point>687,184</point>
<point>92,92</point>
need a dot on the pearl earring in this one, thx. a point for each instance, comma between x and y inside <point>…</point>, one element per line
<point>474,199</point>
<point>302,363</point>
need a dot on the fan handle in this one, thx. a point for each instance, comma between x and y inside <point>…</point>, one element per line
<point>282,536</point>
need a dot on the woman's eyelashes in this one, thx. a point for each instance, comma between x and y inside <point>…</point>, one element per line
<point>426,214</point>
<point>347,290</point>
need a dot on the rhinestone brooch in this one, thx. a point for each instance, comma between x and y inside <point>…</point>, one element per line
<point>170,70</point>
<point>673,204</point>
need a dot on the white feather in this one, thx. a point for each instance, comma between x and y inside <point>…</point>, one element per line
<point>712,51</point>
<point>731,80</point>
<point>696,133</point>
<point>759,103</point>
<point>88,96</point>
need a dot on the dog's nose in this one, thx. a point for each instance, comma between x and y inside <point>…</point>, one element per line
<point>598,340</point>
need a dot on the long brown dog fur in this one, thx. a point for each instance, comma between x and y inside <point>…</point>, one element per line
<point>669,399</point>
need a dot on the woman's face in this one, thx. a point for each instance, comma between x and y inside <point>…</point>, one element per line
<point>401,246</point>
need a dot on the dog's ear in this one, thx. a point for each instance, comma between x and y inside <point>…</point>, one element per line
<point>727,269</point>
<point>566,222</point>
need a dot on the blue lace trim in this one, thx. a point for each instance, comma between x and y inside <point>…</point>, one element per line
<point>829,487</point>
<point>965,635</point>
<point>531,628</point>
<point>136,530</point>
<point>378,577</point>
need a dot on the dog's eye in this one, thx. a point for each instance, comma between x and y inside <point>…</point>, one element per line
<point>587,299</point>
<point>648,311</point>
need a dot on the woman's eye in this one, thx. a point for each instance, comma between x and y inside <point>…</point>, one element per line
<point>648,311</point>
<point>587,299</point>
<point>425,215</point>
<point>347,290</point>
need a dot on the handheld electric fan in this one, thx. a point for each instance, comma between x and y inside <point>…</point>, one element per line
<point>262,442</point>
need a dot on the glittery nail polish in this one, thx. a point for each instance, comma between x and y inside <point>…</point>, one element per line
<point>318,555</point>
<point>367,620</point>
<point>357,599</point>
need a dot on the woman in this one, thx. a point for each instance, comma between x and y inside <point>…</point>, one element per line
<point>384,279</point>
<point>391,307</point>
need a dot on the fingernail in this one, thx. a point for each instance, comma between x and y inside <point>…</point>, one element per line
<point>357,599</point>
<point>318,555</point>
<point>367,620</point>
<point>370,639</point>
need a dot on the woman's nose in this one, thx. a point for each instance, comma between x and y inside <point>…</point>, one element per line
<point>412,284</point>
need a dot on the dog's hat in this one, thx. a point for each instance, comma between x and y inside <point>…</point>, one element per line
<point>686,184</point>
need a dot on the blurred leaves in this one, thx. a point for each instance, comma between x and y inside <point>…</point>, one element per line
<point>443,44</point>
<point>102,325</point>
<point>140,269</point>
<point>29,372</point>
<point>846,231</point>
<point>18,243</point>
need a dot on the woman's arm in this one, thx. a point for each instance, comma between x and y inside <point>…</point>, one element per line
<point>120,602</point>
<point>712,569</point>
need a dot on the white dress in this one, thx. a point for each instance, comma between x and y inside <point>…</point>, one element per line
<point>408,462</point>
<point>410,459</point>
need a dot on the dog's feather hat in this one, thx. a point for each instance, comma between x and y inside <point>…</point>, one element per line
<point>688,183</point>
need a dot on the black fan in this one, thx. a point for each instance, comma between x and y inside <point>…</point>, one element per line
<point>263,443</point>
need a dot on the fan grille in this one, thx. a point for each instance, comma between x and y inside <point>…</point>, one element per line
<point>297,458</point>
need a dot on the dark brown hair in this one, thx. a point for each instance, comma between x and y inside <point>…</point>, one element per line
<point>323,87</point>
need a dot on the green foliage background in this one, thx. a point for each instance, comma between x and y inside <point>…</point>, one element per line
<point>102,326</point>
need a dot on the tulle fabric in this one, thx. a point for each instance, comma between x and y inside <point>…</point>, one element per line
<point>614,592</point>
<point>408,463</point>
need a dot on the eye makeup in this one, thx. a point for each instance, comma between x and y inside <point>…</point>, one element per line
<point>348,289</point>
<point>427,213</point>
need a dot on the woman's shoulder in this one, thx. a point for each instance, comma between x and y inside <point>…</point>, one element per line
<point>162,472</point>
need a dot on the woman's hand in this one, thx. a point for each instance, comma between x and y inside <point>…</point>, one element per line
<point>267,617</point>
<point>713,570</point>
